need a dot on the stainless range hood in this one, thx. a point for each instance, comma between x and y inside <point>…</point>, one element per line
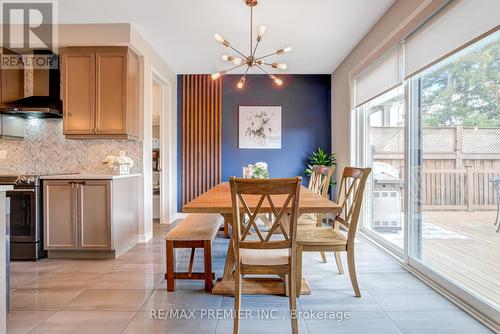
<point>37,91</point>
<point>33,107</point>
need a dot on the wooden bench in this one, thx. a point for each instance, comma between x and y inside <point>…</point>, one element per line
<point>195,231</point>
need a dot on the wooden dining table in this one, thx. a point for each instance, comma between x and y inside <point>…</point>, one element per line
<point>218,200</point>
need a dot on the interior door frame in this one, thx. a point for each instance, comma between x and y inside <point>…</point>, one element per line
<point>166,148</point>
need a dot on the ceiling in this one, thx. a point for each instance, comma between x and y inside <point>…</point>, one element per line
<point>322,32</point>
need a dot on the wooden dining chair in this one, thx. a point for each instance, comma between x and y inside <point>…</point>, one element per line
<point>270,252</point>
<point>319,182</point>
<point>331,239</point>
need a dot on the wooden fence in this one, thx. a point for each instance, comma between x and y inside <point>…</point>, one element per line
<point>457,164</point>
<point>458,189</point>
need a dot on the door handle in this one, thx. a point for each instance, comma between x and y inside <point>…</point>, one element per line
<point>76,184</point>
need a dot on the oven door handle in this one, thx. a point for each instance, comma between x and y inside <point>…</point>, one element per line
<point>21,191</point>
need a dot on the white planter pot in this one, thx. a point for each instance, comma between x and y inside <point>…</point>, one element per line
<point>123,169</point>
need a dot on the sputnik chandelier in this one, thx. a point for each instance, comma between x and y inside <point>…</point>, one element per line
<point>252,60</point>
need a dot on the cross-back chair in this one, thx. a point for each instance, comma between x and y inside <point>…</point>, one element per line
<point>269,252</point>
<point>319,182</point>
<point>331,239</point>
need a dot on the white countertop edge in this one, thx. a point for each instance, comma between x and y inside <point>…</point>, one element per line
<point>87,176</point>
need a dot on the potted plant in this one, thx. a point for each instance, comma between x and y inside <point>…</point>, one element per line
<point>320,158</point>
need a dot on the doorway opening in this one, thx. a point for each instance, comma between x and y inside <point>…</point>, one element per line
<point>156,145</point>
<point>161,155</point>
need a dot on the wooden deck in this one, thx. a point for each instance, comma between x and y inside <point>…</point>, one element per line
<point>474,259</point>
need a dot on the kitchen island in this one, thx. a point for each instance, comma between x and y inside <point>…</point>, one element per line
<point>3,257</point>
<point>90,215</point>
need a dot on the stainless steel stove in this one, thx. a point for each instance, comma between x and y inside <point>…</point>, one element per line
<point>26,227</point>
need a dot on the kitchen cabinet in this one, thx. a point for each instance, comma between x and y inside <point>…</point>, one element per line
<point>94,200</point>
<point>100,90</point>
<point>77,215</point>
<point>60,223</point>
<point>90,217</point>
<point>11,80</point>
<point>11,85</point>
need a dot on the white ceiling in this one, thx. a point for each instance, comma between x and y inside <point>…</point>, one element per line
<point>322,32</point>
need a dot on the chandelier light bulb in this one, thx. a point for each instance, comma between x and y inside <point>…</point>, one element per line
<point>236,60</point>
<point>232,59</point>
<point>221,39</point>
<point>241,83</point>
<point>218,38</point>
<point>277,80</point>
<point>280,66</point>
<point>217,75</point>
<point>260,31</point>
<point>284,50</point>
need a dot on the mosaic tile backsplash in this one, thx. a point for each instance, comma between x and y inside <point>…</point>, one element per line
<point>45,151</point>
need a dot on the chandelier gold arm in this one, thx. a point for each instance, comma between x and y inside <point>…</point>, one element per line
<point>237,51</point>
<point>263,70</point>
<point>235,67</point>
<point>224,72</point>
<point>266,56</point>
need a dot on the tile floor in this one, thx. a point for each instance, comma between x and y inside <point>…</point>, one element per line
<point>117,296</point>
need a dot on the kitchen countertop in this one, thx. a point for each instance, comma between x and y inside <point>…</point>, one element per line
<point>87,176</point>
<point>3,263</point>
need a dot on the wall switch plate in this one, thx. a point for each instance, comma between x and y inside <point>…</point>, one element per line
<point>3,155</point>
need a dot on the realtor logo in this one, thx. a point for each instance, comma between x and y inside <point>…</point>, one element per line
<point>29,29</point>
<point>28,25</point>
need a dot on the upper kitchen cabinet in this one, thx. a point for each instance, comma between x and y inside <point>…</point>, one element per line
<point>100,92</point>
<point>11,81</point>
<point>11,85</point>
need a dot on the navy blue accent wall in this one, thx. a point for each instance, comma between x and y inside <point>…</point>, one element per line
<point>305,122</point>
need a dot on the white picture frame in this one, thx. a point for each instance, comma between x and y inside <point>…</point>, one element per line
<point>259,127</point>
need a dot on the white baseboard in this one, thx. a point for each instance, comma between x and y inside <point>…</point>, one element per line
<point>143,238</point>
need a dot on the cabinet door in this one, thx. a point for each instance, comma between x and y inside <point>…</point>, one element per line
<point>12,85</point>
<point>60,216</point>
<point>111,93</point>
<point>77,76</point>
<point>95,215</point>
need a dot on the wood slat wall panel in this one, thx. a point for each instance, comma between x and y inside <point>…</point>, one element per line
<point>201,134</point>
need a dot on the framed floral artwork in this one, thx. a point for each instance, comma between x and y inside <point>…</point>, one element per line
<point>259,127</point>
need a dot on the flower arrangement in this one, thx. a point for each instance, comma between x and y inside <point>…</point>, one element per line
<point>257,171</point>
<point>121,163</point>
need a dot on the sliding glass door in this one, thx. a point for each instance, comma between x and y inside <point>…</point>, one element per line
<point>381,139</point>
<point>433,143</point>
<point>454,155</point>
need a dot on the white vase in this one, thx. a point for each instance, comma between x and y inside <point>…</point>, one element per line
<point>123,169</point>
